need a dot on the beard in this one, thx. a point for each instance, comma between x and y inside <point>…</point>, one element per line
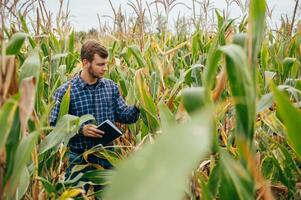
<point>92,73</point>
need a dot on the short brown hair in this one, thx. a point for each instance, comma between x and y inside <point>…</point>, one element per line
<point>92,47</point>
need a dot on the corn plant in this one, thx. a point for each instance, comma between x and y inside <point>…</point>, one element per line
<point>219,109</point>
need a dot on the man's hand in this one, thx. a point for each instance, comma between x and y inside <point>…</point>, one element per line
<point>90,130</point>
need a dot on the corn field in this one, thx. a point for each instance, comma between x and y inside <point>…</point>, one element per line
<point>220,104</point>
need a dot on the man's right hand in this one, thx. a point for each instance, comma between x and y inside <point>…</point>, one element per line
<point>90,130</point>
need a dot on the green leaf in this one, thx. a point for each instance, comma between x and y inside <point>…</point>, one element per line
<point>195,45</point>
<point>23,183</point>
<point>206,194</point>
<point>15,43</point>
<point>130,98</point>
<point>214,57</point>
<point>12,144</point>
<point>47,185</point>
<point>123,87</point>
<point>146,101</point>
<point>214,179</point>
<point>134,50</point>
<point>7,112</point>
<point>166,116</point>
<point>220,19</point>
<point>211,69</point>
<point>257,26</point>
<point>196,77</point>
<point>22,19</point>
<point>257,19</point>
<point>98,177</point>
<point>181,80</point>
<point>291,118</point>
<point>59,56</point>
<point>54,43</point>
<point>264,55</point>
<point>86,118</point>
<point>165,158</point>
<point>45,48</point>
<point>265,102</point>
<point>281,172</point>
<point>64,107</point>
<point>65,129</point>
<point>40,98</point>
<point>242,88</point>
<point>154,84</point>
<point>238,181</point>
<point>31,66</point>
<point>268,76</point>
<point>22,157</point>
<point>227,189</point>
<point>71,42</point>
<point>23,22</point>
<point>240,39</point>
<point>289,162</point>
<point>193,98</point>
<point>267,167</point>
<point>288,64</point>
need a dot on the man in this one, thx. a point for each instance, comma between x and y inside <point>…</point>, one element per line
<point>92,94</point>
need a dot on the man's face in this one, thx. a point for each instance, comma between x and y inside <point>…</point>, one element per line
<point>97,67</point>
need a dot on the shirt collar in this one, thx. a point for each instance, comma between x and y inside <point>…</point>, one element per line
<point>82,84</point>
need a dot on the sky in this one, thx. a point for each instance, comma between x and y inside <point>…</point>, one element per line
<point>84,12</point>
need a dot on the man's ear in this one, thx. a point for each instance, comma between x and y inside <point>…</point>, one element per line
<point>85,62</point>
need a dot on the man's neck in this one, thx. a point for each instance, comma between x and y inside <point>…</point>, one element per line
<point>87,78</point>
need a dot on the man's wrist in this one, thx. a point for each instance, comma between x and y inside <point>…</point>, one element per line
<point>80,130</point>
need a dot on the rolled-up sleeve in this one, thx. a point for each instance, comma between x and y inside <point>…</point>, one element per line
<point>124,113</point>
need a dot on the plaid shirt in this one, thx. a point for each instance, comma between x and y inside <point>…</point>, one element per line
<point>101,100</point>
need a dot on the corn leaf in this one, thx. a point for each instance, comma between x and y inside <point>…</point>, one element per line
<point>242,89</point>
<point>146,101</point>
<point>22,157</point>
<point>291,118</point>
<point>64,107</point>
<point>66,128</point>
<point>7,112</point>
<point>138,56</point>
<point>15,43</point>
<point>148,167</point>
<point>31,66</point>
<point>237,182</point>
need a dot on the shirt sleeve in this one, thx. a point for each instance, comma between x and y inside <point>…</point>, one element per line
<point>124,113</point>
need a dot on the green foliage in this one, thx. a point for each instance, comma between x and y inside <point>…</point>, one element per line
<point>167,157</point>
<point>7,113</point>
<point>242,89</point>
<point>65,129</point>
<point>291,118</point>
<point>15,43</point>
<point>173,79</point>
<point>31,66</point>
<point>193,99</point>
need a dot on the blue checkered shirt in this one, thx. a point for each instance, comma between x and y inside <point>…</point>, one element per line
<point>101,100</point>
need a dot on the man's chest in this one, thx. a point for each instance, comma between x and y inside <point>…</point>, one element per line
<point>97,102</point>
